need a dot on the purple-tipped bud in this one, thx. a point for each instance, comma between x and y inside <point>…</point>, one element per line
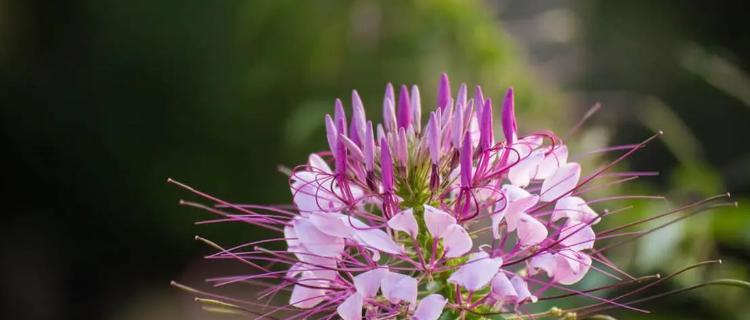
<point>404,109</point>
<point>416,107</point>
<point>461,96</point>
<point>486,133</point>
<point>386,165</point>
<point>402,147</point>
<point>444,92</point>
<point>369,148</point>
<point>339,116</point>
<point>352,147</point>
<point>331,133</point>
<point>457,126</point>
<point>478,96</point>
<point>468,113</point>
<point>509,118</point>
<point>389,116</point>
<point>466,161</point>
<point>381,132</point>
<point>433,127</point>
<point>357,127</point>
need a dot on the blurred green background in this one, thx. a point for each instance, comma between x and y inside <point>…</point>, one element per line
<point>102,100</point>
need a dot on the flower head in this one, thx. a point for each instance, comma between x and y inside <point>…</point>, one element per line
<point>419,222</point>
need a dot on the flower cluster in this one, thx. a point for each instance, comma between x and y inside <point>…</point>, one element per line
<point>396,227</point>
<point>406,221</point>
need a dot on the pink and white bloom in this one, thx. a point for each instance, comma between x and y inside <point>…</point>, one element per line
<point>397,220</point>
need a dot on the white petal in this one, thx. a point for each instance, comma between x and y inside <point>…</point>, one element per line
<point>377,239</point>
<point>577,236</point>
<point>562,182</point>
<point>368,283</point>
<point>517,208</point>
<point>457,241</point>
<point>405,221</point>
<point>304,297</point>
<point>477,272</point>
<point>530,230</point>
<point>552,161</point>
<point>521,173</point>
<point>316,162</point>
<point>437,221</point>
<point>502,288</point>
<point>522,289</point>
<point>399,287</point>
<point>430,307</point>
<point>574,208</point>
<point>317,242</point>
<point>571,266</point>
<point>351,308</point>
<point>544,261</point>
<point>332,224</point>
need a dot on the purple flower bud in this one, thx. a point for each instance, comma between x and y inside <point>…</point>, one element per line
<point>461,97</point>
<point>458,126</point>
<point>486,134</point>
<point>339,116</point>
<point>381,132</point>
<point>478,102</point>
<point>433,127</point>
<point>509,118</point>
<point>389,116</point>
<point>357,128</point>
<point>478,96</point>
<point>444,92</point>
<point>331,133</point>
<point>466,161</point>
<point>352,147</point>
<point>416,107</point>
<point>386,165</point>
<point>402,147</point>
<point>369,148</point>
<point>404,110</point>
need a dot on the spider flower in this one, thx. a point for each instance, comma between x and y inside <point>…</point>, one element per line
<point>399,221</point>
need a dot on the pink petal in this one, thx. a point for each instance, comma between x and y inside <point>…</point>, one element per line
<point>292,242</point>
<point>312,193</point>
<point>316,162</point>
<point>517,208</point>
<point>379,240</point>
<point>530,230</point>
<point>477,272</point>
<point>544,261</point>
<point>496,218</point>
<point>430,307</point>
<point>437,220</point>
<point>457,241</point>
<point>521,173</point>
<point>332,224</point>
<point>304,297</point>
<point>317,242</point>
<point>515,201</point>
<point>399,287</point>
<point>574,208</point>
<point>351,308</point>
<point>502,289</point>
<point>571,266</point>
<point>577,236</point>
<point>368,283</point>
<point>561,183</point>
<point>522,289</point>
<point>552,161</point>
<point>405,221</point>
